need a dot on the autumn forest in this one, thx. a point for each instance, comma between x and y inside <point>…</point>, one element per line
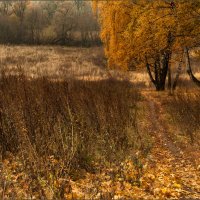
<point>100,99</point>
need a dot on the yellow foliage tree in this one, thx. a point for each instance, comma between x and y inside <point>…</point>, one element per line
<point>146,33</point>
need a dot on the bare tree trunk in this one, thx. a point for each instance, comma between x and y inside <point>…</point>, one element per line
<point>177,77</point>
<point>150,74</point>
<point>189,68</point>
<point>164,69</point>
<point>169,78</point>
<point>160,71</point>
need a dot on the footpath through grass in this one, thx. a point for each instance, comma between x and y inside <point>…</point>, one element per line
<point>96,140</point>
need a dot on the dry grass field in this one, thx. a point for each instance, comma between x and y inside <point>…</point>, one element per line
<point>72,129</point>
<point>53,62</point>
<point>58,63</point>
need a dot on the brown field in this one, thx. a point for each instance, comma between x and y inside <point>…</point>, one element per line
<point>57,63</point>
<point>72,129</point>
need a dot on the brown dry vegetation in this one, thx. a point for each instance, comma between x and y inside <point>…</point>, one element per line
<point>72,129</point>
<point>54,116</point>
<point>68,117</point>
<point>53,62</point>
<point>184,110</point>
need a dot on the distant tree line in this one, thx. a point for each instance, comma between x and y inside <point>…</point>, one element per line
<point>48,22</point>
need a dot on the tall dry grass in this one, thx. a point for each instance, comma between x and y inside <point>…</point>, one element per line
<point>59,128</point>
<point>54,62</point>
<point>73,120</point>
<point>62,113</point>
<point>184,109</point>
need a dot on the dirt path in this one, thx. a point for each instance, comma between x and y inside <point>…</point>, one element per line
<point>174,169</point>
<point>166,172</point>
<point>159,125</point>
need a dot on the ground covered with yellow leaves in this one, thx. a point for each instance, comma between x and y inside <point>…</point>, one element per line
<point>166,172</point>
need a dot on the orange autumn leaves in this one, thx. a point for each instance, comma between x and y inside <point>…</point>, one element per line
<point>149,178</point>
<point>135,30</point>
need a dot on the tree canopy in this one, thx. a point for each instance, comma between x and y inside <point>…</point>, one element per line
<point>143,32</point>
<point>137,30</point>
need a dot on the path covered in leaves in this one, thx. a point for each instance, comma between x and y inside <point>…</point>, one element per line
<point>167,172</point>
<point>176,174</point>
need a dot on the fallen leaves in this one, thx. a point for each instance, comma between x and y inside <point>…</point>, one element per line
<point>159,175</point>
